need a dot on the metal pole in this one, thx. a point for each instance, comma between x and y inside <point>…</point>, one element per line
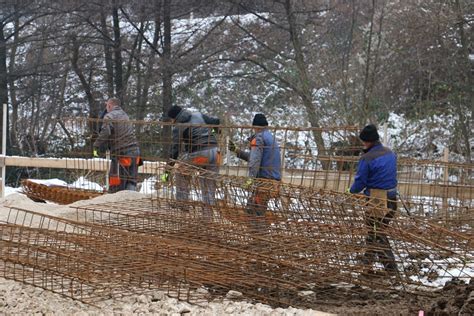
<point>446,182</point>
<point>4,148</point>
<point>385,134</point>
<point>107,157</point>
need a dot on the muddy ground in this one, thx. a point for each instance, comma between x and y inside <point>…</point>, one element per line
<point>455,298</point>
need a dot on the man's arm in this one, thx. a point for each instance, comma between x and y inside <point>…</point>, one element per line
<point>256,154</point>
<point>241,154</point>
<point>105,133</point>
<point>211,120</point>
<point>175,147</point>
<point>360,181</point>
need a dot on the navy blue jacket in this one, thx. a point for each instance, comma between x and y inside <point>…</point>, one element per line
<point>377,170</point>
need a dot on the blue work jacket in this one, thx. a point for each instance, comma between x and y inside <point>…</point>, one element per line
<point>377,169</point>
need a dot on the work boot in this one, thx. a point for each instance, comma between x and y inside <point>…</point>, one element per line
<point>391,268</point>
<point>131,187</point>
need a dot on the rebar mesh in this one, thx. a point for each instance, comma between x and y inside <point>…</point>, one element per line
<point>312,157</point>
<point>318,235</point>
<point>269,240</point>
<point>56,194</point>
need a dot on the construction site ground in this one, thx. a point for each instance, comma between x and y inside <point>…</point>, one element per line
<point>18,298</point>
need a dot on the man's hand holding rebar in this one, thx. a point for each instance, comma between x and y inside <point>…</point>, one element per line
<point>165,177</point>
<point>232,146</point>
<point>248,183</point>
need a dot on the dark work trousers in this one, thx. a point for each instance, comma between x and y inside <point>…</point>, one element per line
<point>377,241</point>
<point>123,173</point>
<point>257,203</point>
<point>208,159</point>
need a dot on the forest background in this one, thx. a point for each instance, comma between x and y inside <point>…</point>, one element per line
<point>310,63</point>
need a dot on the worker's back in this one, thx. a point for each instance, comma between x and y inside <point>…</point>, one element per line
<point>381,165</point>
<point>191,138</point>
<point>270,165</point>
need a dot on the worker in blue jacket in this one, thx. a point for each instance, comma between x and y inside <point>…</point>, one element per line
<point>264,162</point>
<point>377,172</point>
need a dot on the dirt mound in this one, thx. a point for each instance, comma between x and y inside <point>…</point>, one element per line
<point>456,298</point>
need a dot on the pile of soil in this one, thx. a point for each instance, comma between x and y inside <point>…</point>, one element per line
<point>455,298</point>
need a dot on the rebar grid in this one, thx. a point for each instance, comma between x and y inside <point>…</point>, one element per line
<point>272,263</point>
<point>289,195</point>
<point>135,260</point>
<point>313,243</point>
<point>304,236</point>
<point>325,207</point>
<point>55,254</point>
<point>56,194</point>
<point>319,229</point>
<point>312,157</point>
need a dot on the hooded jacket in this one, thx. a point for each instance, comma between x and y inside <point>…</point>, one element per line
<point>117,133</point>
<point>189,138</point>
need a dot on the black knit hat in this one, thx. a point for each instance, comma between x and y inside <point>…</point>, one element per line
<point>259,120</point>
<point>369,134</point>
<point>174,111</point>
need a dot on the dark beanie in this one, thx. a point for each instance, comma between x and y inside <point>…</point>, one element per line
<point>174,111</point>
<point>369,134</point>
<point>259,120</point>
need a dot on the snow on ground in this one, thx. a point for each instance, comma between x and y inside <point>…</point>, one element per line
<point>83,183</point>
<point>10,190</point>
<point>18,298</point>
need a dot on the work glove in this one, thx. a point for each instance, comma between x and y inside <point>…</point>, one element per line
<point>232,146</point>
<point>248,183</point>
<point>348,190</point>
<point>95,153</point>
<point>165,177</point>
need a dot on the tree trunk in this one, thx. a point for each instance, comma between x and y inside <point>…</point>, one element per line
<point>109,66</point>
<point>118,54</point>
<point>143,100</point>
<point>166,72</point>
<point>94,106</point>
<point>345,64</point>
<point>11,82</point>
<point>133,55</point>
<point>467,91</point>
<point>3,80</point>
<point>306,87</point>
<point>75,67</point>
<point>365,93</point>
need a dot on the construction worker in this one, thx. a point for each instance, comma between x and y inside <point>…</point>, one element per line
<point>377,177</point>
<point>117,135</point>
<point>264,162</point>
<point>196,144</point>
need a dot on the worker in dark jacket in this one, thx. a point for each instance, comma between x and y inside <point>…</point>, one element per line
<point>117,135</point>
<point>196,144</point>
<point>377,177</point>
<point>264,162</point>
